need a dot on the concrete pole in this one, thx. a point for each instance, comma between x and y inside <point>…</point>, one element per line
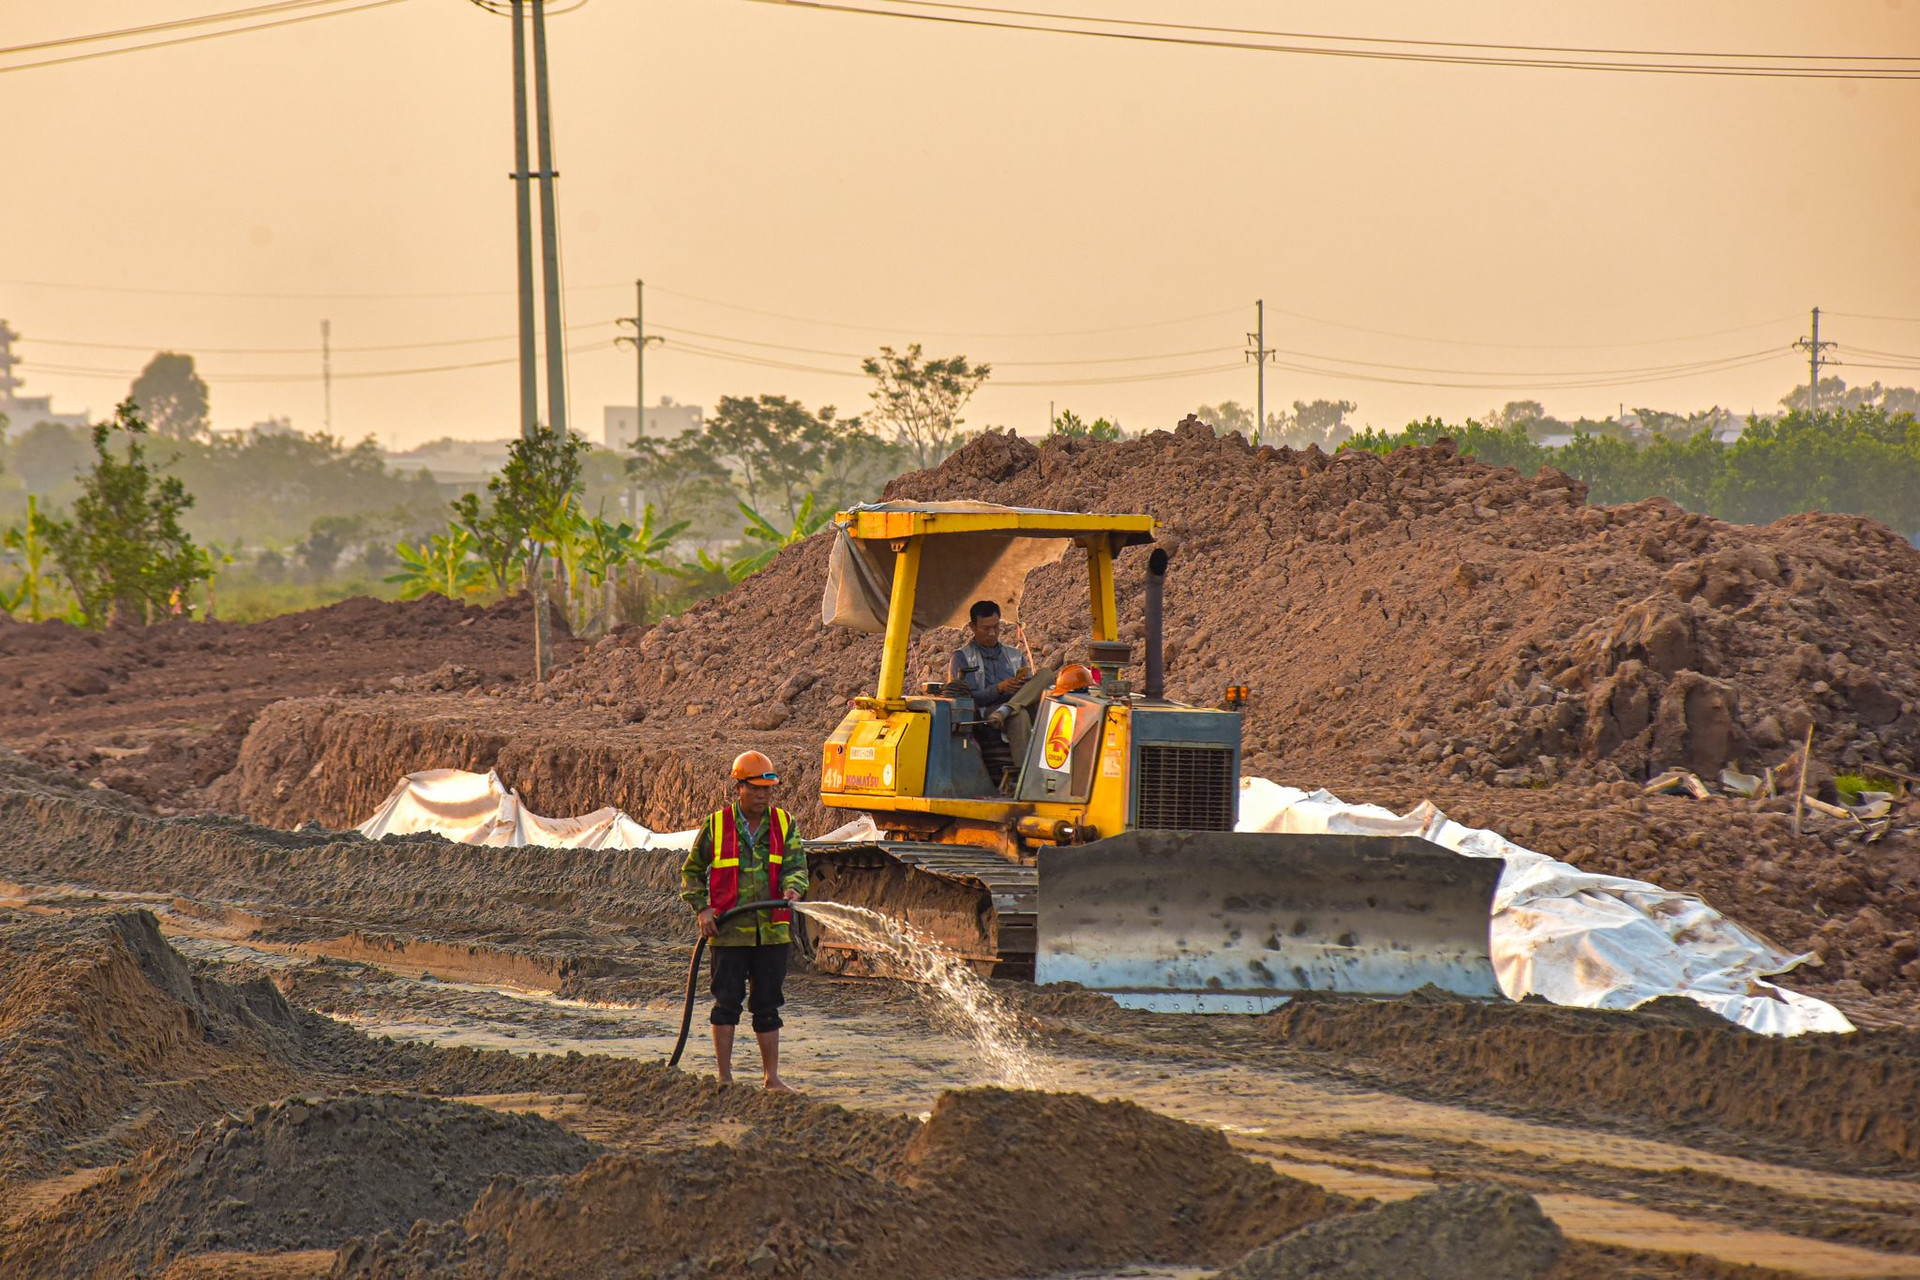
<point>1813,367</point>
<point>549,230</point>
<point>523,224</point>
<point>1260,359</point>
<point>640,363</point>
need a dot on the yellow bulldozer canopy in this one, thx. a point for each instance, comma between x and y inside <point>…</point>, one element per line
<point>968,551</point>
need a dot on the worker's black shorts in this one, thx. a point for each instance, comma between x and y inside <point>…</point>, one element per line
<point>735,969</point>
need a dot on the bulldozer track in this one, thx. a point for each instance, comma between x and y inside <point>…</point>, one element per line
<point>1012,889</point>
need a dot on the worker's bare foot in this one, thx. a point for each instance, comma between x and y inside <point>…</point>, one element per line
<point>726,1077</point>
<point>776,1085</point>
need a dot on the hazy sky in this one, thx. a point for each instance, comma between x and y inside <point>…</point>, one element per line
<point>831,182</point>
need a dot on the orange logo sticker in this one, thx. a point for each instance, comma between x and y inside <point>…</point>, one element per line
<point>1059,737</point>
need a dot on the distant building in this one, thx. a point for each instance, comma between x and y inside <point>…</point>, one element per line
<point>24,412</point>
<point>278,425</point>
<point>454,462</point>
<point>664,421</point>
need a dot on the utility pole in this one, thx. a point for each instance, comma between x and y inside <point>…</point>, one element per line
<point>639,342</point>
<point>549,230</point>
<point>326,373</point>
<point>1813,347</point>
<point>523,224</point>
<point>1258,354</point>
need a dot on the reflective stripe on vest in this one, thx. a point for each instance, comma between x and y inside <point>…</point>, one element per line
<point>723,877</point>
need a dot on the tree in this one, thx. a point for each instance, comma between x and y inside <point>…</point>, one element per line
<point>47,456</point>
<point>775,441</point>
<point>533,497</point>
<point>1321,422</point>
<point>1228,416</point>
<point>171,397</point>
<point>1070,425</point>
<point>681,476</point>
<point>123,550</point>
<point>1517,413</point>
<point>498,545</point>
<point>920,400</point>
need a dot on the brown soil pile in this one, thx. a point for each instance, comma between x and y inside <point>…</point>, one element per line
<point>995,1184</point>
<point>1501,620</point>
<point>306,1173</point>
<point>105,1031</point>
<point>1855,1097</point>
<point>1469,1232</point>
<point>1511,636</point>
<point>160,712</point>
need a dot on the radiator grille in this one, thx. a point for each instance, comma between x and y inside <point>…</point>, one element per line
<point>1185,789</point>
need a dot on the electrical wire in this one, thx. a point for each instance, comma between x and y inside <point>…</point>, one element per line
<point>1855,315</point>
<point>1799,71</point>
<point>204,35</point>
<point>297,351</point>
<point>172,24</point>
<point>1397,40</point>
<point>935,333</point>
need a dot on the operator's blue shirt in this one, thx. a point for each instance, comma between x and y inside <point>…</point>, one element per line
<point>983,667</point>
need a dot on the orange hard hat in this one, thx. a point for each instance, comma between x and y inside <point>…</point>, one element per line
<point>754,768</point>
<point>1073,677</point>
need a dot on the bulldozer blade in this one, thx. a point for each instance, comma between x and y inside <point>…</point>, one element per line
<point>1238,922</point>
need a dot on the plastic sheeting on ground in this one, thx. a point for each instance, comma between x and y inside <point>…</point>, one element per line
<point>477,808</point>
<point>1576,938</point>
<point>1573,937</point>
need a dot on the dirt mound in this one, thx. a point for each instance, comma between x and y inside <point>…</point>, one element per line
<point>107,1038</point>
<point>305,1173</point>
<point>159,712</point>
<point>1502,619</point>
<point>1512,635</point>
<point>995,1184</point>
<point>1472,1232</point>
<point>1854,1097</point>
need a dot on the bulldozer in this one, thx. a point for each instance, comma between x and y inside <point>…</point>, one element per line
<point>1107,855</point>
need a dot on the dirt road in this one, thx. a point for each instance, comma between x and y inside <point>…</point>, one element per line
<point>1803,1157</point>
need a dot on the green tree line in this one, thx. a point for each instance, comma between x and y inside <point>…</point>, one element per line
<point>1864,460</point>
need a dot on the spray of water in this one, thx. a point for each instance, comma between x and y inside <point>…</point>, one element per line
<point>959,998</point>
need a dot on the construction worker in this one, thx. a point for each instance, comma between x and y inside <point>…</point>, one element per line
<point>1002,684</point>
<point>747,852</point>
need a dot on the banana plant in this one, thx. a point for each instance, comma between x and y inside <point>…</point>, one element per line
<point>214,559</point>
<point>806,522</point>
<point>36,588</point>
<point>443,563</point>
<point>562,531</point>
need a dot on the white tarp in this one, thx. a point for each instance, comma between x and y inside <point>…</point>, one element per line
<point>476,808</point>
<point>1576,938</point>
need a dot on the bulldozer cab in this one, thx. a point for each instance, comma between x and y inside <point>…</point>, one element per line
<point>919,753</point>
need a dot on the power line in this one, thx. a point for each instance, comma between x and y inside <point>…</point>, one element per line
<point>204,35</point>
<point>1796,71</point>
<point>1855,315</point>
<point>935,333</point>
<point>172,24</point>
<point>199,350</point>
<point>1396,40</point>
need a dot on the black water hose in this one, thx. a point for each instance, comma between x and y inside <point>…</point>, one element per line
<point>693,969</point>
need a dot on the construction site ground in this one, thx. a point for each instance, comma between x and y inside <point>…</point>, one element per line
<point>210,1026</point>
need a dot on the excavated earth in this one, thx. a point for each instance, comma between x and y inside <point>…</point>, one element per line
<point>160,712</point>
<point>1415,627</point>
<point>231,1049</point>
